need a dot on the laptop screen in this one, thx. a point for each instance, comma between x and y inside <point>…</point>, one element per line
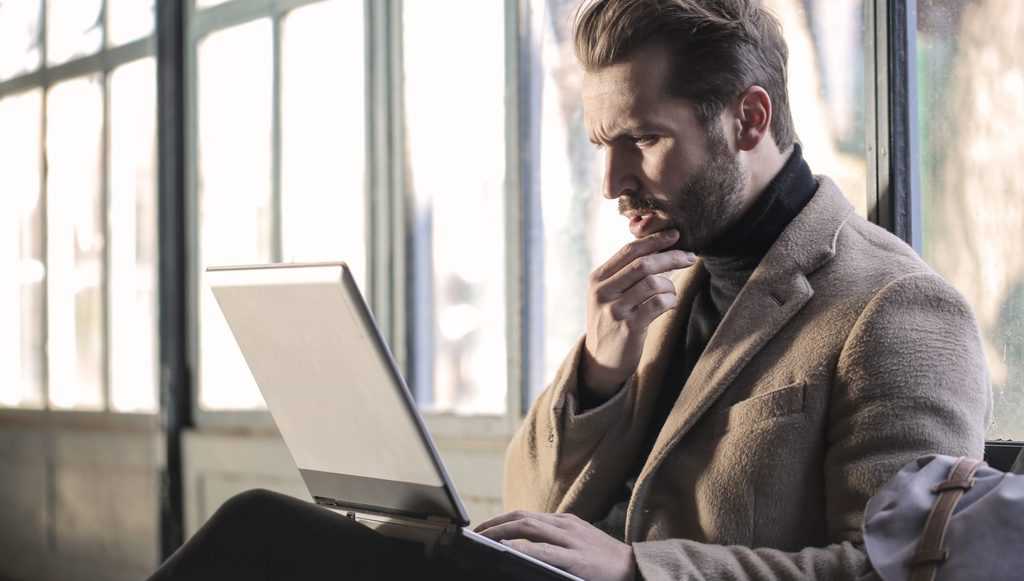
<point>332,388</point>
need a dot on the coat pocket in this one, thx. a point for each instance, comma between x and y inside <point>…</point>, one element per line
<point>777,403</point>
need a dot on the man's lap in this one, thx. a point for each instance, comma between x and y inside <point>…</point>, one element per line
<point>265,535</point>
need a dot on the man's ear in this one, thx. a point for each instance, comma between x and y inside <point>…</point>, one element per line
<point>754,117</point>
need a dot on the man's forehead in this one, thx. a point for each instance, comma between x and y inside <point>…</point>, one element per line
<point>618,95</point>
<point>642,76</point>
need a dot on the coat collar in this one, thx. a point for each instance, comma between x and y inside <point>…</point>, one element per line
<point>776,291</point>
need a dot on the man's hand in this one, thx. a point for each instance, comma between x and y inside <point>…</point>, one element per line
<point>564,541</point>
<point>625,295</point>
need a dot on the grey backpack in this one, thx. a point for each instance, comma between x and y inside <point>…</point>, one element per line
<point>947,519</point>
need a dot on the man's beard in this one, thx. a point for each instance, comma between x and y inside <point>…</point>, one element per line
<point>707,204</point>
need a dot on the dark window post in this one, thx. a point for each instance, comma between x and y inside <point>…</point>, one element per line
<point>899,185</point>
<point>174,274</point>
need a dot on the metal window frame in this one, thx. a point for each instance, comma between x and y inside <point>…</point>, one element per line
<point>893,146</point>
<point>174,279</point>
<point>893,151</point>
<point>390,221</point>
<point>199,24</point>
<point>102,63</point>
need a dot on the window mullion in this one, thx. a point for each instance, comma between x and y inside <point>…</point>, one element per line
<point>176,231</point>
<point>876,110</point>
<point>277,207</point>
<point>108,310</point>
<point>385,174</point>
<point>904,166</point>
<point>519,220</point>
<point>894,169</point>
<point>44,201</point>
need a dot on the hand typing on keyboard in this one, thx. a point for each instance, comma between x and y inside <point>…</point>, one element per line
<point>564,541</point>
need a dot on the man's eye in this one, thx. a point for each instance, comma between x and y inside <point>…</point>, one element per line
<point>645,140</point>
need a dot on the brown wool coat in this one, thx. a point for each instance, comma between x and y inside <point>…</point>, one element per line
<point>844,357</point>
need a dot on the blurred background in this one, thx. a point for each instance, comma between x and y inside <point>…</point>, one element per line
<point>437,146</point>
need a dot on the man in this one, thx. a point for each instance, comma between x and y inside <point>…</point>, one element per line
<point>722,419</point>
<point>729,418</point>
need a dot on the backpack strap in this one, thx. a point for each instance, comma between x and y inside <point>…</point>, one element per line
<point>930,550</point>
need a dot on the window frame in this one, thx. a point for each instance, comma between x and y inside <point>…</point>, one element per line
<point>102,63</point>
<point>894,180</point>
<point>200,23</point>
<point>891,152</point>
<point>390,224</point>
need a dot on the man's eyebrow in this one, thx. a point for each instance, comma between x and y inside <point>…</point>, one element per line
<point>638,129</point>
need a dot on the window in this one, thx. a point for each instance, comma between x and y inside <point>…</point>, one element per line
<point>234,189</point>
<point>20,46</point>
<point>22,359</point>
<point>76,244</point>
<point>970,107</point>
<point>132,216</point>
<point>455,126</point>
<point>280,164</point>
<point>79,237</point>
<point>73,29</point>
<point>582,230</point>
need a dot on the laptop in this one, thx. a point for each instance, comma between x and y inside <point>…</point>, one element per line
<point>345,412</point>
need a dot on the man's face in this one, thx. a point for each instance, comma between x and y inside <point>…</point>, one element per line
<point>662,165</point>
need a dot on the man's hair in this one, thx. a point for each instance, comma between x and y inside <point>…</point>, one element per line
<point>719,48</point>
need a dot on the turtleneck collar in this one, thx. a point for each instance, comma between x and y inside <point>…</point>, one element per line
<point>780,201</point>
<point>734,256</point>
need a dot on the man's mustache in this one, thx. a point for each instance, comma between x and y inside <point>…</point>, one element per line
<point>632,203</point>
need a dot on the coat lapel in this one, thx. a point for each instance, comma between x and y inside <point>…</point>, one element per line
<point>759,312</point>
<point>776,291</point>
<point>663,336</point>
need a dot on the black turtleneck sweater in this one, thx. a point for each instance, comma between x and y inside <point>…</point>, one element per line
<point>729,262</point>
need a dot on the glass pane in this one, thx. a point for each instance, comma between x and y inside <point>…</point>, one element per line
<point>235,205</point>
<point>128,20</point>
<point>22,297</point>
<point>73,29</point>
<point>75,244</point>
<point>19,37</point>
<point>970,107</point>
<point>323,135</point>
<point>826,87</point>
<point>456,142</point>
<point>582,230</point>
<point>133,233</point>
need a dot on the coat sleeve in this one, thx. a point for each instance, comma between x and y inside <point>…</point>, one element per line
<point>910,380</point>
<point>556,442</point>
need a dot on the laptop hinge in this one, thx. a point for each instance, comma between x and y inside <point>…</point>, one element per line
<point>432,531</point>
<point>341,506</point>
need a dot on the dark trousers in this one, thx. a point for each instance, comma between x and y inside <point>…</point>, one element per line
<point>261,535</point>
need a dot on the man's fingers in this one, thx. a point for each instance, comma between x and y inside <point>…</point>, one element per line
<point>624,307</point>
<point>635,249</point>
<point>497,520</point>
<point>531,529</point>
<point>653,308</point>
<point>552,555</point>
<point>505,518</point>
<point>555,519</point>
<point>640,269</point>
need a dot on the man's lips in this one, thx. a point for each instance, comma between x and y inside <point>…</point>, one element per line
<point>645,223</point>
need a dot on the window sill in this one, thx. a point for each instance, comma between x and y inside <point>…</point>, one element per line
<point>80,420</point>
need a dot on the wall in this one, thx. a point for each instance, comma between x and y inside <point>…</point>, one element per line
<point>219,465</point>
<point>78,502</point>
<point>81,502</point>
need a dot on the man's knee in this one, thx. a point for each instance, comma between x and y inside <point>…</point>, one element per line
<point>250,504</point>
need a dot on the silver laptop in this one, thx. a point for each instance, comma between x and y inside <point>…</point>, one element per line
<point>344,410</point>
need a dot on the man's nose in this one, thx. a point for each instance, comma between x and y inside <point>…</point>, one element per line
<point>619,175</point>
